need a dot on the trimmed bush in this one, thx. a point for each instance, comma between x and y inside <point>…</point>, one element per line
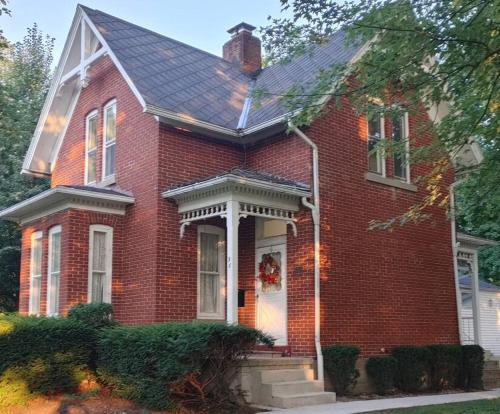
<point>340,366</point>
<point>471,377</point>
<point>41,356</point>
<point>156,365</point>
<point>96,315</point>
<point>444,366</point>
<point>413,362</point>
<point>382,372</point>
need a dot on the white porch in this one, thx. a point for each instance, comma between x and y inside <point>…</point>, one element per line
<point>235,195</point>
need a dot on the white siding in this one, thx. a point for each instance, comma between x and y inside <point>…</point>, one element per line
<point>490,319</point>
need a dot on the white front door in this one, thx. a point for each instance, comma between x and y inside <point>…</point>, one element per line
<point>271,296</point>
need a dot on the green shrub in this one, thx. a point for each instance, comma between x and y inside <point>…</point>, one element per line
<point>340,366</point>
<point>471,376</point>
<point>41,355</point>
<point>382,372</point>
<point>157,365</point>
<point>413,362</point>
<point>96,315</point>
<point>444,366</point>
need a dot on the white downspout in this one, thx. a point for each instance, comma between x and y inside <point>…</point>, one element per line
<point>454,245</point>
<point>314,207</point>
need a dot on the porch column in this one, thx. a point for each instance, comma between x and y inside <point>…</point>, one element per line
<point>476,310</point>
<point>232,223</point>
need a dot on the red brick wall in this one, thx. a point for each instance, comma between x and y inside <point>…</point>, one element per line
<point>183,158</point>
<point>136,171</point>
<point>378,288</point>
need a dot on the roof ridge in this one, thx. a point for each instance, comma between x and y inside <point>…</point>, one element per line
<point>164,36</point>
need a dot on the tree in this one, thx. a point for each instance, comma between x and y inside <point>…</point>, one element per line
<point>478,211</point>
<point>429,52</point>
<point>24,81</point>
<point>422,52</point>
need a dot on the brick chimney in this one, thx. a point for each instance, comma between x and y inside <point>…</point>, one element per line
<point>243,48</point>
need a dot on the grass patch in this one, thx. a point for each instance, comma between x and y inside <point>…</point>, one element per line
<point>469,407</point>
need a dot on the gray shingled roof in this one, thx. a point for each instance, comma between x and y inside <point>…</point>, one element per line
<point>251,174</point>
<point>466,282</point>
<point>180,78</point>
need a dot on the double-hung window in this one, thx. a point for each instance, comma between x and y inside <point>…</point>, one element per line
<point>402,146</point>
<point>54,271</point>
<point>376,160</point>
<point>109,141</point>
<point>211,272</point>
<point>91,148</point>
<point>35,273</point>
<point>100,263</point>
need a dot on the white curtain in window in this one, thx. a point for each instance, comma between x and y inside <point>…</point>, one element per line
<point>209,273</point>
<point>54,274</point>
<point>98,266</point>
<point>36,275</point>
<point>110,140</point>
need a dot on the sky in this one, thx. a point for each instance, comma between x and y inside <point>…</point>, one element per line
<point>200,23</point>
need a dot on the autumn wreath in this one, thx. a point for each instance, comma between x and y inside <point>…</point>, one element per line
<point>269,273</point>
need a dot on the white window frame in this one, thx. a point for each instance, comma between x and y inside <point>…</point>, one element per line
<point>380,153</point>
<point>54,230</point>
<point>220,314</point>
<point>406,140</point>
<point>108,179</point>
<point>91,115</point>
<point>109,261</point>
<point>37,235</point>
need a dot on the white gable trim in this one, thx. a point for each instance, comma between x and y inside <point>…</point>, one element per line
<point>81,22</point>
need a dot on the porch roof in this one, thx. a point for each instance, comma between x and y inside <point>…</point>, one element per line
<point>242,176</point>
<point>253,193</point>
<point>63,197</point>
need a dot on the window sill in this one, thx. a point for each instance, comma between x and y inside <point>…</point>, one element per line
<point>107,181</point>
<point>392,182</point>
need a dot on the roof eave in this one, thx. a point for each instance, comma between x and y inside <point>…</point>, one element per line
<point>474,240</point>
<point>48,199</point>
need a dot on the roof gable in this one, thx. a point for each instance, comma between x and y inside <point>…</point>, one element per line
<point>174,81</point>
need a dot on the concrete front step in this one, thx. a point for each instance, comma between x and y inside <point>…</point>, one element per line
<point>491,364</point>
<point>302,399</point>
<point>293,387</point>
<point>269,376</point>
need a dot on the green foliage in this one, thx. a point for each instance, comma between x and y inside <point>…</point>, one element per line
<point>24,80</point>
<point>340,366</point>
<point>427,51</point>
<point>10,258</point>
<point>413,362</point>
<point>95,315</point>
<point>478,210</point>
<point>472,367</point>
<point>156,365</point>
<point>41,355</point>
<point>445,362</point>
<point>382,372</point>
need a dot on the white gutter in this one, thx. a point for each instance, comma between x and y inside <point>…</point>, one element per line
<point>314,207</point>
<point>454,245</point>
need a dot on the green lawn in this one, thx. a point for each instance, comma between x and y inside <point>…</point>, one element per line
<point>469,407</point>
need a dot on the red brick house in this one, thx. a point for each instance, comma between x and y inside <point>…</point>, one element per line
<point>174,197</point>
